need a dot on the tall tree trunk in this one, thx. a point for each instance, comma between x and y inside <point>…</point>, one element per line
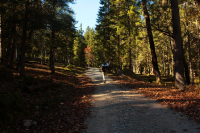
<point>179,56</point>
<point>11,64</point>
<point>118,50</point>
<point>172,44</point>
<point>10,41</point>
<point>167,60</point>
<point>129,59</point>
<point>44,55</point>
<point>13,49</point>
<point>164,64</point>
<point>197,25</point>
<point>129,42</point>
<point>18,58</point>
<point>190,60</point>
<point>187,75</point>
<point>197,2</point>
<point>3,46</point>
<point>186,72</point>
<point>136,62</point>
<point>9,44</point>
<point>24,40</point>
<point>52,67</point>
<point>41,58</point>
<point>1,35</point>
<point>151,41</point>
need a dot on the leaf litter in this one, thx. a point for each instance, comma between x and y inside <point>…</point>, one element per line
<point>64,103</point>
<point>185,101</point>
<point>51,103</point>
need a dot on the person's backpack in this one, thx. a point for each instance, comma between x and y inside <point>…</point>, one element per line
<point>104,67</point>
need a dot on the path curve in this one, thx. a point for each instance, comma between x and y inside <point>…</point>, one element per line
<point>126,111</point>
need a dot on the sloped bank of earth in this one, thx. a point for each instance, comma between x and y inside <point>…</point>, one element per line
<point>61,105</point>
<point>186,102</point>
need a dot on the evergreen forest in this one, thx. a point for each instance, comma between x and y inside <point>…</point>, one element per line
<point>44,59</point>
<point>153,37</point>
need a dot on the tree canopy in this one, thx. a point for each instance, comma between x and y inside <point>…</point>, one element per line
<point>139,35</point>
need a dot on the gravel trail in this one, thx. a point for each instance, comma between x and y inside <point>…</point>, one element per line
<point>126,111</point>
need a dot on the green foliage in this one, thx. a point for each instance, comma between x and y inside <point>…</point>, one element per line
<point>36,20</point>
<point>119,36</point>
<point>116,31</point>
<point>79,47</point>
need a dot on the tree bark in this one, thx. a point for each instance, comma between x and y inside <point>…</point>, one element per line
<point>1,35</point>
<point>3,48</point>
<point>24,41</point>
<point>52,67</point>
<point>129,42</point>
<point>172,44</point>
<point>13,49</point>
<point>151,41</point>
<point>41,58</point>
<point>187,75</point>
<point>9,44</point>
<point>18,59</point>
<point>197,25</point>
<point>118,50</point>
<point>179,56</point>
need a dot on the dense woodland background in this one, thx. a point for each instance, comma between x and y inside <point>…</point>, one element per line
<point>159,37</point>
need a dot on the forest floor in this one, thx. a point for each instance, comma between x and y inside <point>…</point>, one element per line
<point>185,101</point>
<point>42,102</point>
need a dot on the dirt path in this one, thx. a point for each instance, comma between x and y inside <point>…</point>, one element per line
<point>126,111</point>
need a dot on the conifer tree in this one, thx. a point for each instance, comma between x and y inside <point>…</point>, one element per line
<point>179,66</point>
<point>151,41</point>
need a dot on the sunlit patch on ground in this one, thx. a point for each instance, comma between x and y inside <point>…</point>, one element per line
<point>187,101</point>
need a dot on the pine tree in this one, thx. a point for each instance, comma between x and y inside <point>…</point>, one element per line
<point>151,41</point>
<point>179,69</point>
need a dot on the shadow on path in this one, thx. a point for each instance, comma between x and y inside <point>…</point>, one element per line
<point>124,110</point>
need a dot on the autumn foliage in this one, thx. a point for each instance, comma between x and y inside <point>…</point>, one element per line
<point>88,55</point>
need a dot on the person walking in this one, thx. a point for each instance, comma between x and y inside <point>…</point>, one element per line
<point>104,69</point>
